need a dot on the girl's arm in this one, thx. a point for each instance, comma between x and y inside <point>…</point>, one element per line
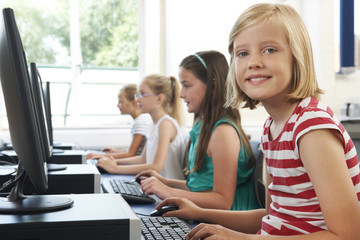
<point>240,221</point>
<point>167,132</point>
<point>243,221</point>
<point>130,152</point>
<point>133,160</point>
<point>110,165</point>
<point>224,147</point>
<point>322,154</point>
<point>134,146</point>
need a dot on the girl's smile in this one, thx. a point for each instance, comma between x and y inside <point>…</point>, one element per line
<point>257,79</point>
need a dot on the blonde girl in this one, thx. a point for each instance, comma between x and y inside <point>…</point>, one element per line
<point>139,128</point>
<point>312,178</point>
<point>164,152</point>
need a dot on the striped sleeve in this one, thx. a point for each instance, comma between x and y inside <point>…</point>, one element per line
<point>295,208</point>
<point>142,125</point>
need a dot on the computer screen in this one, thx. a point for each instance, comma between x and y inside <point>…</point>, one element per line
<point>24,127</point>
<point>40,108</point>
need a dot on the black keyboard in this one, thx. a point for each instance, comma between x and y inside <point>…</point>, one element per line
<point>129,190</point>
<point>157,228</point>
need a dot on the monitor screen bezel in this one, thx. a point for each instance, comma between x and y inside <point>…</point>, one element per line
<point>37,87</point>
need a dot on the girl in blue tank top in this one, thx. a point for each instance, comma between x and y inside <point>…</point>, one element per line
<point>219,158</point>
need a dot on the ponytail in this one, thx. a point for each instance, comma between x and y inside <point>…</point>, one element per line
<point>176,101</point>
<point>170,87</point>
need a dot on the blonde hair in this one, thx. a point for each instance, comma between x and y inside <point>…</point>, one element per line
<point>304,83</point>
<point>170,87</point>
<point>129,90</point>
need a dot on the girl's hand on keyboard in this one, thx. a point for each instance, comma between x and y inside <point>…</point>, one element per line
<point>151,173</point>
<point>107,163</point>
<point>153,185</point>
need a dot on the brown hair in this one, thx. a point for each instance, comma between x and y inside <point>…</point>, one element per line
<point>212,71</point>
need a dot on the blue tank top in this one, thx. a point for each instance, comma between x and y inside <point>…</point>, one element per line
<point>202,180</point>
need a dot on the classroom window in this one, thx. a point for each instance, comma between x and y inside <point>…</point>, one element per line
<point>87,49</point>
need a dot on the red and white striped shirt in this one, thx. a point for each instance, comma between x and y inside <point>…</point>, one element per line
<point>295,208</point>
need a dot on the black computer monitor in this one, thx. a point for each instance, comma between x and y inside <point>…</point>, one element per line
<point>40,108</point>
<point>56,147</point>
<point>42,117</point>
<point>23,127</point>
<point>47,101</point>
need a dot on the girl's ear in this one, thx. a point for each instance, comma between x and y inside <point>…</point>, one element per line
<point>134,103</point>
<point>160,98</point>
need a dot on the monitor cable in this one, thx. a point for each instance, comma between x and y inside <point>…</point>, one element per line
<point>7,160</point>
<point>142,214</point>
<point>11,182</point>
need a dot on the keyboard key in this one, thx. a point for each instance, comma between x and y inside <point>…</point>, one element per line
<point>163,228</point>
